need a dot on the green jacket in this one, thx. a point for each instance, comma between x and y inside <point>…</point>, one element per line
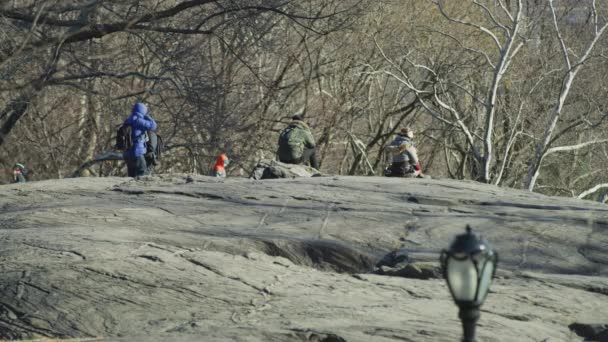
<point>293,139</point>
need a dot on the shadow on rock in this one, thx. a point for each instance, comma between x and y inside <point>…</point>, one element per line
<point>314,336</point>
<point>327,255</point>
<point>591,332</point>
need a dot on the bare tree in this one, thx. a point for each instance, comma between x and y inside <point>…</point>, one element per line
<point>79,48</point>
<point>571,71</point>
<point>501,27</point>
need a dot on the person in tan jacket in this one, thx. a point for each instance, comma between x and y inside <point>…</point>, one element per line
<point>19,173</point>
<point>405,161</point>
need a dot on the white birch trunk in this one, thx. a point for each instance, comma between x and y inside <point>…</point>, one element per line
<point>499,71</point>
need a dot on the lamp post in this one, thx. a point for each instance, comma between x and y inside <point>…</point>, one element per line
<point>468,267</point>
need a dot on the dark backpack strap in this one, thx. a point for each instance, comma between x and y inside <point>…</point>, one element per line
<point>286,133</point>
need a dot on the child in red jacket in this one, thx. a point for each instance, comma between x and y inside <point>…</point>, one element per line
<point>219,170</point>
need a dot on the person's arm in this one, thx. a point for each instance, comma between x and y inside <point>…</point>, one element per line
<point>309,140</point>
<point>413,154</point>
<point>149,119</point>
<point>397,148</point>
<point>391,148</point>
<point>146,123</point>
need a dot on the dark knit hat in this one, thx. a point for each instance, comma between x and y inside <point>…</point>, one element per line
<point>297,117</point>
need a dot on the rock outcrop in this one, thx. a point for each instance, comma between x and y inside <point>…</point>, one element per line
<point>272,169</point>
<point>192,258</point>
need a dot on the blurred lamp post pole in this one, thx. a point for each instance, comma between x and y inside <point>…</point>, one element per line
<point>468,267</point>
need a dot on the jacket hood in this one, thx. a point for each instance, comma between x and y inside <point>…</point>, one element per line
<point>139,109</point>
<point>220,161</point>
<point>300,124</point>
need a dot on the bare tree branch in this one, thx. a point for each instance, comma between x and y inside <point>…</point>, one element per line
<point>574,147</point>
<point>562,44</point>
<point>592,190</point>
<point>492,17</point>
<point>465,23</point>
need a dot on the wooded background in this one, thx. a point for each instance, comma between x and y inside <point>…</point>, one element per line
<point>508,92</point>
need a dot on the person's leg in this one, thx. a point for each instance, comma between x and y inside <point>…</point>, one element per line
<point>289,161</point>
<point>140,167</point>
<point>310,155</point>
<point>149,164</point>
<point>409,171</point>
<point>398,169</point>
<point>131,167</point>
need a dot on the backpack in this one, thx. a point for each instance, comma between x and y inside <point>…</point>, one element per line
<point>291,143</point>
<point>124,139</point>
<point>154,147</point>
<point>273,172</point>
<point>154,142</point>
<point>286,135</point>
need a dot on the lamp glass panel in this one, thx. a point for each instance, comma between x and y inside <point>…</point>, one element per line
<point>486,279</point>
<point>462,279</point>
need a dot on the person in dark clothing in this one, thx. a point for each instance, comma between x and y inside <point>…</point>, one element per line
<point>140,122</point>
<point>297,145</point>
<point>19,172</point>
<point>150,155</point>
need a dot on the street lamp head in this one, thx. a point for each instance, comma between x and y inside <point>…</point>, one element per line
<point>468,267</point>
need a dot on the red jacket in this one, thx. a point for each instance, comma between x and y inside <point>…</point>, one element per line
<point>219,169</point>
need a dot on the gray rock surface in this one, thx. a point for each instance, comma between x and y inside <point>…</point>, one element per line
<point>166,259</point>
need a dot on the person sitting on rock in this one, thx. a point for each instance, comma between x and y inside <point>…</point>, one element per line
<point>405,161</point>
<point>219,170</point>
<point>297,144</point>
<point>19,173</point>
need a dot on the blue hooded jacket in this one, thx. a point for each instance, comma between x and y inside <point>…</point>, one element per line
<point>140,122</point>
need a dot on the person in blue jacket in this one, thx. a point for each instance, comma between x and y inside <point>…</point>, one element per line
<point>140,122</point>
